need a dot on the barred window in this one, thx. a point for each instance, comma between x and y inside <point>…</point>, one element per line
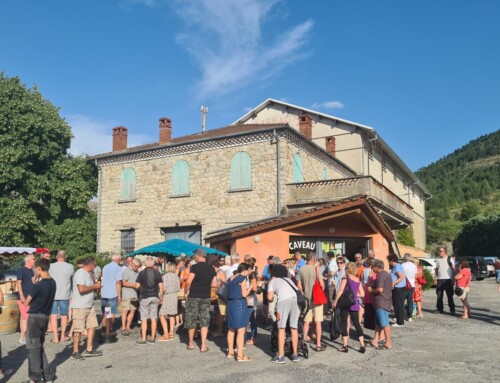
<point>127,241</point>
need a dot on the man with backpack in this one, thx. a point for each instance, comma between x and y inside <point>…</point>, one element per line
<point>282,290</point>
<point>445,267</point>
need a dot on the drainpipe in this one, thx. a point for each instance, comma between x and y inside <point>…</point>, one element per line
<point>278,173</point>
<point>99,206</point>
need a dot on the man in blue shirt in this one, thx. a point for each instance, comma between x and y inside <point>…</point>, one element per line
<point>300,262</point>
<point>111,291</point>
<point>398,286</point>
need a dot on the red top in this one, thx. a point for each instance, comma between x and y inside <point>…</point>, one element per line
<point>465,280</point>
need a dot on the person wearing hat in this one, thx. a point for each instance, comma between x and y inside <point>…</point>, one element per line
<point>201,279</point>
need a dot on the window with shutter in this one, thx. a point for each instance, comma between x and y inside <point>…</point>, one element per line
<point>180,178</point>
<point>127,185</point>
<point>241,171</point>
<point>298,175</point>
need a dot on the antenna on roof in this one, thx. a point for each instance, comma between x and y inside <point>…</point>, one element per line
<point>204,111</point>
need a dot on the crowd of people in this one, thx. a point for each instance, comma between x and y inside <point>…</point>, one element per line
<point>190,292</point>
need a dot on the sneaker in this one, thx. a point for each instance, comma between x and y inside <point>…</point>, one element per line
<point>295,358</point>
<point>76,356</point>
<point>278,360</point>
<point>151,341</point>
<point>92,352</point>
<point>140,341</point>
<point>397,325</point>
<point>22,341</point>
<point>409,319</point>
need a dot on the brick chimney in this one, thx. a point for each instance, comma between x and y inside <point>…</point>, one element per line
<point>330,145</point>
<point>305,125</point>
<point>165,130</point>
<point>120,135</point>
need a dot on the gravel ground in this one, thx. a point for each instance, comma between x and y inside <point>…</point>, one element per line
<point>438,347</point>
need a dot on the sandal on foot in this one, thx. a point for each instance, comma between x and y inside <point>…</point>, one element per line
<point>230,356</point>
<point>384,347</point>
<point>320,348</point>
<point>205,350</point>
<point>190,348</point>
<point>244,358</point>
<point>343,349</point>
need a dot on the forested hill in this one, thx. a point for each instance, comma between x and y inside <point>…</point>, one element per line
<point>464,184</point>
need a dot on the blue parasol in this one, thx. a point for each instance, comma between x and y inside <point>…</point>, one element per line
<point>175,247</point>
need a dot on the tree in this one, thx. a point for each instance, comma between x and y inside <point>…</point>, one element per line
<point>44,191</point>
<point>479,236</point>
<point>470,210</point>
<point>405,236</point>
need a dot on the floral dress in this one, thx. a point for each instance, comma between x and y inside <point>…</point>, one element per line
<point>171,284</point>
<point>417,293</point>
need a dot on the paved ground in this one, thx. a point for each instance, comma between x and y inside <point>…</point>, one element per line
<point>435,348</point>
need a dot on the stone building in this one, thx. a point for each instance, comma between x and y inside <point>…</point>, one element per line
<point>189,186</point>
<point>362,148</point>
<point>257,187</point>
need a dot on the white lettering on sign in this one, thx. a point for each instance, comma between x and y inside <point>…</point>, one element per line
<point>309,245</point>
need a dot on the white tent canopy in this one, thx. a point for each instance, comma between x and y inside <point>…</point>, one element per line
<point>16,250</point>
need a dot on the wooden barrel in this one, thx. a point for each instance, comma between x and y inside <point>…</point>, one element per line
<point>9,315</point>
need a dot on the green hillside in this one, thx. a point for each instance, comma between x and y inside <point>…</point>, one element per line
<point>464,184</point>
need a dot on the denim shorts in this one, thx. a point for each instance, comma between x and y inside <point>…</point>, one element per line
<point>61,307</point>
<point>112,302</point>
<point>381,318</point>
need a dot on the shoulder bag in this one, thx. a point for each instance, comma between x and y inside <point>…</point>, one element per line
<point>408,285</point>
<point>302,300</point>
<point>346,300</point>
<point>318,295</point>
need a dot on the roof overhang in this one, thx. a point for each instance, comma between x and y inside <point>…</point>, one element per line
<point>354,205</point>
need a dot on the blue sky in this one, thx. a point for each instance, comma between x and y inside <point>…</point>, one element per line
<point>425,74</point>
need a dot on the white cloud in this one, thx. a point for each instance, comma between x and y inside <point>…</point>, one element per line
<point>230,45</point>
<point>328,105</point>
<point>94,136</point>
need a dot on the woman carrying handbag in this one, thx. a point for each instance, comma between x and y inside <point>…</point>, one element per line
<point>463,285</point>
<point>351,289</point>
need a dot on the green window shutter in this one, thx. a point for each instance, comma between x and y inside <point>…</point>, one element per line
<point>298,176</point>
<point>241,171</point>
<point>127,184</point>
<point>180,178</point>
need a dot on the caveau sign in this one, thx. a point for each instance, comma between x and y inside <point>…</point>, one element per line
<point>302,244</point>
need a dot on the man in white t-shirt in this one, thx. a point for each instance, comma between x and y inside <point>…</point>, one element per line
<point>445,267</point>
<point>410,272</point>
<point>227,265</point>
<point>235,262</point>
<point>281,290</point>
